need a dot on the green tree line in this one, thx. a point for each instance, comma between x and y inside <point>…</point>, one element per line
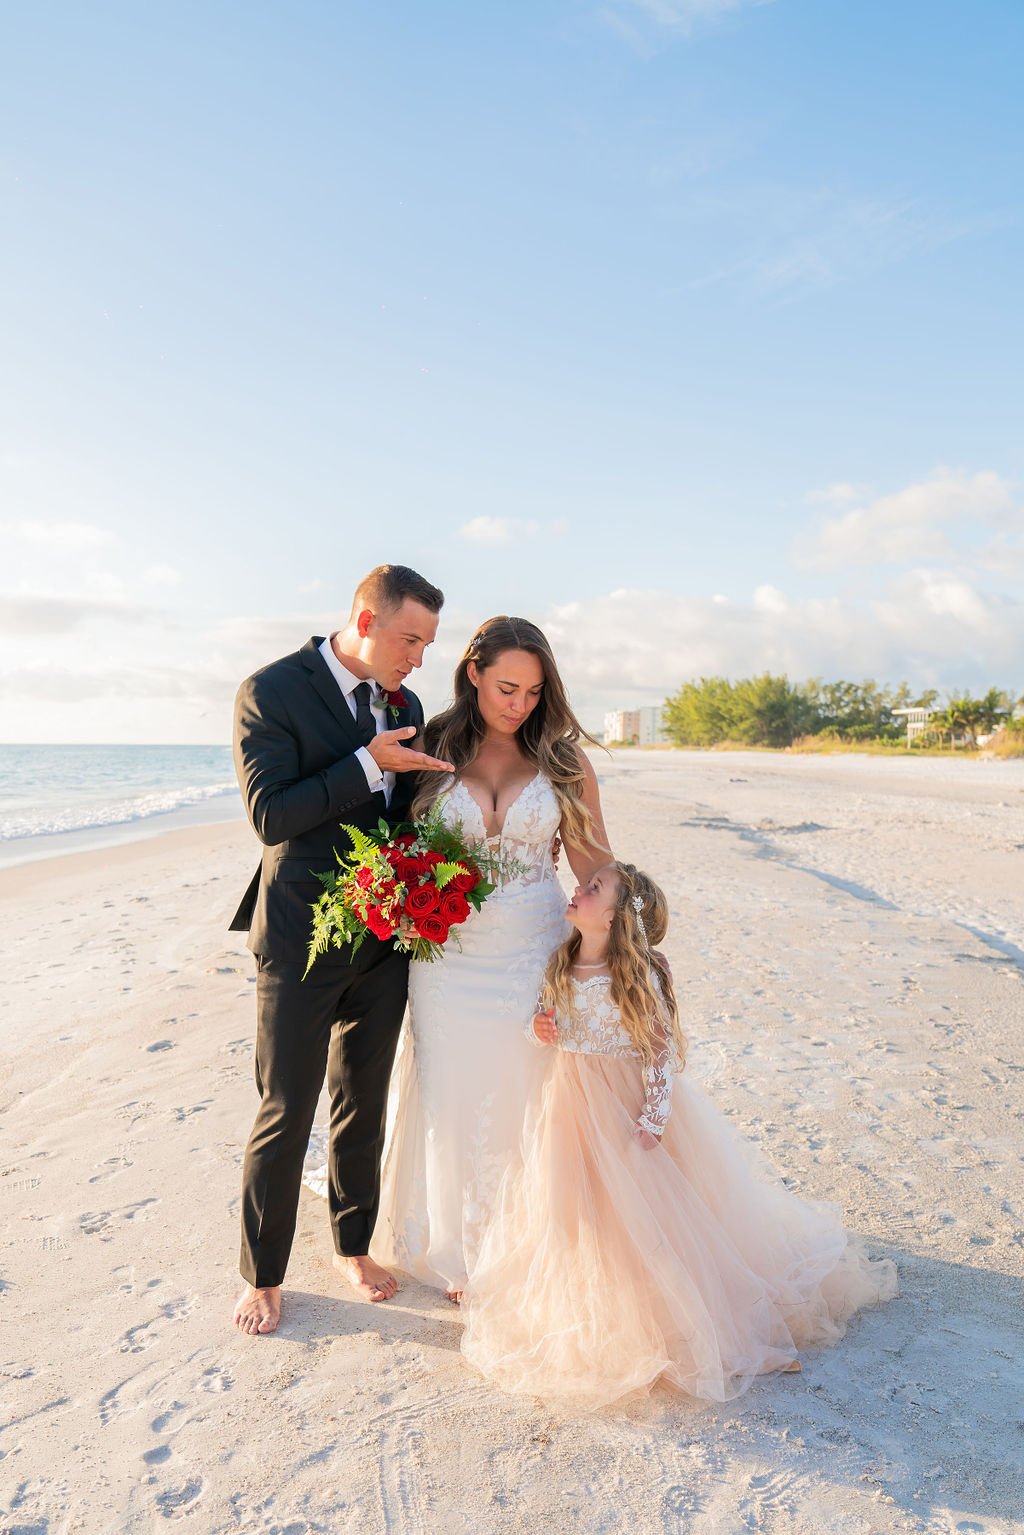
<point>772,711</point>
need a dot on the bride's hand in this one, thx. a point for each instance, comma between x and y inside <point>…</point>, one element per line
<point>645,1138</point>
<point>545,1028</point>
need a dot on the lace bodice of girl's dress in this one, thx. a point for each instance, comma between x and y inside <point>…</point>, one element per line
<point>531,822</point>
<point>595,1027</point>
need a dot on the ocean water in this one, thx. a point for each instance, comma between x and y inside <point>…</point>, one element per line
<point>55,799</point>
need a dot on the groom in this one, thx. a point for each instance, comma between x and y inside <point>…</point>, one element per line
<point>323,737</point>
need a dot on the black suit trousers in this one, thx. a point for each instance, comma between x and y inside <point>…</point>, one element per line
<point>343,1020</point>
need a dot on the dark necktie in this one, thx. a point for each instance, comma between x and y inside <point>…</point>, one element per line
<point>366,725</point>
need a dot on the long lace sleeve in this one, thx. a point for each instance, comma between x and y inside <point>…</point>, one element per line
<point>658,1077</point>
<point>528,1030</point>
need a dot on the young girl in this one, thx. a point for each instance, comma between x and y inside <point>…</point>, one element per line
<point>639,1238</point>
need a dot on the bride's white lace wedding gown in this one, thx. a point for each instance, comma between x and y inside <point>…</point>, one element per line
<point>465,1069</point>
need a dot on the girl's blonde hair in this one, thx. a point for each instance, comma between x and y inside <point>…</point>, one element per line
<point>647,1006</point>
<point>547,737</point>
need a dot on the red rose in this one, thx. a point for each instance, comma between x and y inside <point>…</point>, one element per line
<point>433,927</point>
<point>467,881</point>
<point>378,924</point>
<point>454,907</point>
<point>396,698</point>
<point>421,901</point>
<point>364,878</point>
<point>405,841</point>
<point>394,856</point>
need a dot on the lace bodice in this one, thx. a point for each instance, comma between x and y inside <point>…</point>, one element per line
<point>531,822</point>
<point>597,1029</point>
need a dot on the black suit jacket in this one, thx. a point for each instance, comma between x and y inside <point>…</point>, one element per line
<point>295,741</point>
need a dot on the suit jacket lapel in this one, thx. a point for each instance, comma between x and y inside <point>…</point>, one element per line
<point>321,679</point>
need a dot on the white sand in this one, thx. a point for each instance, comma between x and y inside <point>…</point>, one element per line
<point>848,940</point>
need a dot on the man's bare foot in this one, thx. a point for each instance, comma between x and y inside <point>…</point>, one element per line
<point>372,1282</point>
<point>455,1296</point>
<point>258,1311</point>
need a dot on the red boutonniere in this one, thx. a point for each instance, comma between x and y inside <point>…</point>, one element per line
<point>396,700</point>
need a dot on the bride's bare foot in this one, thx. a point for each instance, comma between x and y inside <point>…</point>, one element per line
<point>258,1311</point>
<point>793,1368</point>
<point>372,1282</point>
<point>455,1296</point>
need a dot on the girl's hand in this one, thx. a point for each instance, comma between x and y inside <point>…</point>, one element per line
<point>645,1138</point>
<point>545,1028</point>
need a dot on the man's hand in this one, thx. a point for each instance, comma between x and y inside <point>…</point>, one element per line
<point>545,1028</point>
<point>391,757</point>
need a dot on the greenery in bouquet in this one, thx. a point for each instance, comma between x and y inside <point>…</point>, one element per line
<point>412,884</point>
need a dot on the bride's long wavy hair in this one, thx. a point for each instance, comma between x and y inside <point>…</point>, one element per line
<point>547,737</point>
<point>641,982</point>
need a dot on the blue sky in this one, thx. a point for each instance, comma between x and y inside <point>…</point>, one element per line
<point>690,329</point>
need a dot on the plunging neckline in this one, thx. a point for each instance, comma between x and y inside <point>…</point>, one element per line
<point>496,836</point>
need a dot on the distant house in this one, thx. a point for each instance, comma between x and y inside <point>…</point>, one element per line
<point>638,727</point>
<point>917,721</point>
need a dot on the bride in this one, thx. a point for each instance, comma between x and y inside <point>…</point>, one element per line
<point>466,1067</point>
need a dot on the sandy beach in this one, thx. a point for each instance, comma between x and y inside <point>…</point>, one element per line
<point>848,946</point>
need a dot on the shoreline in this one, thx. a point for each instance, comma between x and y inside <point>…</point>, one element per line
<point>17,852</point>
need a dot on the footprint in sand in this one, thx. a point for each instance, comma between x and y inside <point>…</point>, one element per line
<point>101,1223</point>
<point>109,1168</point>
<point>178,1501</point>
<point>181,1306</point>
<point>181,1114</point>
<point>161,1044</point>
<point>138,1339</point>
<point>167,1422</point>
<point>215,1379</point>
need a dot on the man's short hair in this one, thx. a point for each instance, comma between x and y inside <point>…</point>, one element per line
<point>386,587</point>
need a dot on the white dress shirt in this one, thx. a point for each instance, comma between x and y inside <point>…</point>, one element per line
<point>379,782</point>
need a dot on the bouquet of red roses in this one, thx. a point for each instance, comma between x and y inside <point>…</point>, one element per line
<point>413,884</point>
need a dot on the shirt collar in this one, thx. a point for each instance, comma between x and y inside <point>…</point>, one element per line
<point>346,680</point>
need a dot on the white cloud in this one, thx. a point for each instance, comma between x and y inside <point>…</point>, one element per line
<point>162,575</point>
<point>839,494</point>
<point>768,599</point>
<point>673,16</point>
<point>928,626</point>
<point>789,239</point>
<point>35,613</point>
<point>951,516</point>
<point>511,530</point>
<point>64,537</point>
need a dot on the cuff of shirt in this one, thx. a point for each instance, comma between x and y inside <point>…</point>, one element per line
<point>374,776</point>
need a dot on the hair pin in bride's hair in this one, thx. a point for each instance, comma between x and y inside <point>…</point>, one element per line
<point>638,907</point>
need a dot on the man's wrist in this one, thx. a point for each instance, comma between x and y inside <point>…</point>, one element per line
<point>374,775</point>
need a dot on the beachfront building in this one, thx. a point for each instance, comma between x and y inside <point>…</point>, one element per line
<point>622,725</point>
<point>917,721</point>
<point>637,727</point>
<point>652,726</point>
